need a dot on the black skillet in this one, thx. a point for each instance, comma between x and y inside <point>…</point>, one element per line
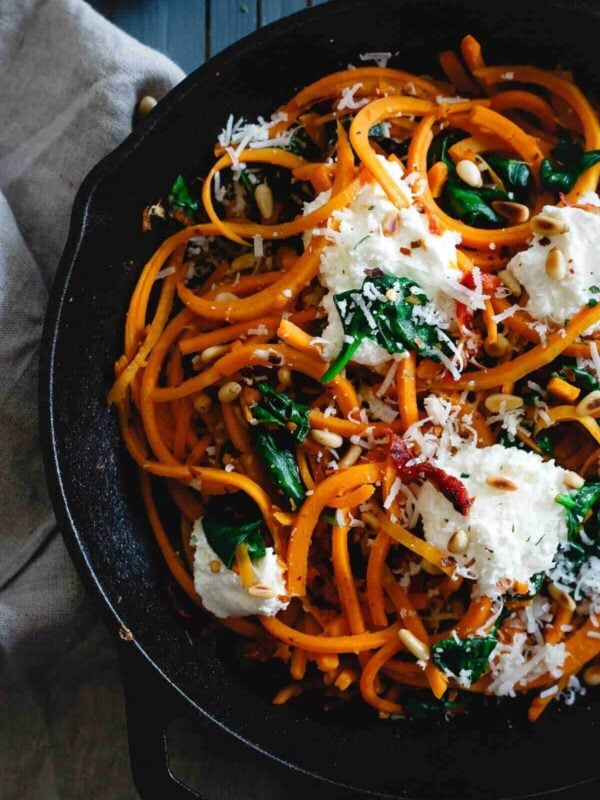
<point>492,752</point>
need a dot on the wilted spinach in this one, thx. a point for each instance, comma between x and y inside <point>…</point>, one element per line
<point>180,197</point>
<point>276,449</point>
<point>577,505</point>
<point>280,409</point>
<point>567,164</point>
<point>467,656</point>
<point>230,520</point>
<point>383,310</point>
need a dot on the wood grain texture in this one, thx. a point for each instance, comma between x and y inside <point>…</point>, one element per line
<point>230,20</point>
<point>270,10</point>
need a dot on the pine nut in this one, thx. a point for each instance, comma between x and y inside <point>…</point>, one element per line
<point>458,542</point>
<point>284,376</point>
<point>212,353</point>
<point>496,403</point>
<point>243,262</point>
<point>226,297</point>
<point>468,172</point>
<point>429,568</point>
<point>229,391</point>
<point>146,104</point>
<point>215,566</point>
<point>509,280</point>
<point>562,598</point>
<point>500,482</point>
<point>391,223</point>
<point>262,590</point>
<point>327,438</point>
<point>264,200</point>
<point>513,212</point>
<point>592,676</point>
<point>573,480</point>
<point>351,456</point>
<point>498,348</point>
<point>391,295</point>
<point>202,403</point>
<point>556,267</point>
<point>547,225</point>
<point>414,645</point>
<point>590,405</point>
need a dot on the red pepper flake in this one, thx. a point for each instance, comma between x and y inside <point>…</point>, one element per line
<point>464,315</point>
<point>452,488</point>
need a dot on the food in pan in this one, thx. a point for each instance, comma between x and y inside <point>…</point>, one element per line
<point>363,362</point>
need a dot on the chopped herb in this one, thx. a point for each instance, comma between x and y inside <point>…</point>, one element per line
<point>464,475</point>
<point>230,520</point>
<point>180,197</point>
<point>364,239</point>
<point>591,303</point>
<point>381,311</point>
<point>594,289</point>
<point>277,451</point>
<point>279,408</point>
<point>470,656</point>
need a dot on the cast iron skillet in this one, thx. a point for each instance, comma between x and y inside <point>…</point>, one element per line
<point>491,753</point>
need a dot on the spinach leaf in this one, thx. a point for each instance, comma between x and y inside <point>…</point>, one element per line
<point>420,708</point>
<point>544,442</point>
<point>230,520</point>
<point>577,504</point>
<point>180,197</point>
<point>383,310</point>
<point>570,163</point>
<point>276,449</point>
<point>507,440</point>
<point>573,557</point>
<point>469,206</point>
<point>279,408</point>
<point>580,377</point>
<point>515,174</point>
<point>467,656</point>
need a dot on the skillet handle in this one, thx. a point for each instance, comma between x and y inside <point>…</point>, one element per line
<point>151,704</point>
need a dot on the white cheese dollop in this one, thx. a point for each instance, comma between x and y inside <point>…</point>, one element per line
<point>222,592</point>
<point>512,534</point>
<point>359,244</point>
<point>555,301</point>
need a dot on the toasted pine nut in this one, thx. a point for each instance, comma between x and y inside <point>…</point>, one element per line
<point>414,645</point>
<point>513,212</point>
<point>351,456</point>
<point>391,295</point>
<point>262,590</point>
<point>500,482</point>
<point>573,480</point>
<point>592,676</point>
<point>264,200</point>
<point>547,225</point>
<point>284,376</point>
<point>590,405</point>
<point>458,542</point>
<point>327,438</point>
<point>215,566</point>
<point>509,280</point>
<point>502,402</point>
<point>391,223</point>
<point>498,348</point>
<point>243,262</point>
<point>226,297</point>
<point>370,520</point>
<point>429,568</point>
<point>214,352</point>
<point>562,598</point>
<point>202,403</point>
<point>146,104</point>
<point>229,391</point>
<point>468,172</point>
<point>556,267</point>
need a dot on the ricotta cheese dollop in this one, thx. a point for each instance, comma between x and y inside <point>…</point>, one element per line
<point>554,301</point>
<point>222,592</point>
<point>513,534</point>
<point>410,251</point>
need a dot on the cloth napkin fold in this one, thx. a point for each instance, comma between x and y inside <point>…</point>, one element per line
<point>69,85</point>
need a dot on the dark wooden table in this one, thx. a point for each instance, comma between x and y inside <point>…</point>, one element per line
<point>190,31</point>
